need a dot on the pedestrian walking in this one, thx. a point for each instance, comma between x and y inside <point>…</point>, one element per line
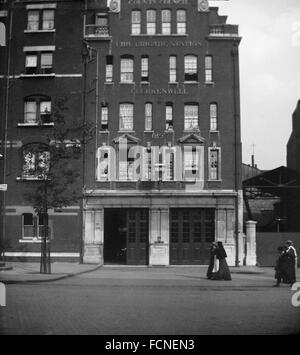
<point>212,260</point>
<point>292,261</point>
<point>223,273</point>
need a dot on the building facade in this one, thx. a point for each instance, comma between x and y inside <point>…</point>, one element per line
<point>163,174</point>
<point>40,65</point>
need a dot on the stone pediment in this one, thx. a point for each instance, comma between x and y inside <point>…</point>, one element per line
<point>192,139</point>
<point>128,138</point>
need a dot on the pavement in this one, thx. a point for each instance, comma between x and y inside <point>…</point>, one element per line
<point>22,272</point>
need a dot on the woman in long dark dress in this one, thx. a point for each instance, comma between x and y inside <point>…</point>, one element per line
<point>211,266</point>
<point>223,273</point>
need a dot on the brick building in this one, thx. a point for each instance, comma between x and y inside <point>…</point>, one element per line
<point>158,83</point>
<point>163,175</point>
<point>41,63</point>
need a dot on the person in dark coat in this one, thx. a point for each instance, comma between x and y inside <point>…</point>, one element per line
<point>212,260</point>
<point>291,262</point>
<point>280,268</point>
<point>223,273</point>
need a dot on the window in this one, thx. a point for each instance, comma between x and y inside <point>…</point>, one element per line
<point>208,69</point>
<point>190,68</point>
<point>40,20</point>
<point>36,162</point>
<point>191,162</point>
<point>169,116</point>
<point>166,22</point>
<point>39,63</point>
<point>145,69</point>
<point>104,117</point>
<point>109,69</point>
<point>126,117</point>
<point>148,116</point>
<point>181,22</point>
<point>214,164</point>
<point>126,70</point>
<point>191,117</point>
<point>136,22</point>
<point>213,117</point>
<point>173,69</point>
<point>151,22</point>
<point>32,226</point>
<point>37,111</point>
<point>48,20</point>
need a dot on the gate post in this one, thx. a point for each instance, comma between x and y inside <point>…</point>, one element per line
<point>251,257</point>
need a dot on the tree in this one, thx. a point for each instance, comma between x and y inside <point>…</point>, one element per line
<point>55,166</point>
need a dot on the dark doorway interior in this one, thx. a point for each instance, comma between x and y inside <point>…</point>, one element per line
<point>115,233</point>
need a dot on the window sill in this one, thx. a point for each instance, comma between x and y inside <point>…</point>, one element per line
<point>159,35</point>
<point>39,31</point>
<point>173,83</point>
<point>209,83</point>
<point>32,241</point>
<point>126,131</point>
<point>30,179</point>
<point>126,83</point>
<point>145,82</point>
<point>214,131</point>
<point>191,82</point>
<point>192,130</point>
<point>36,124</point>
<point>37,76</point>
<point>215,181</point>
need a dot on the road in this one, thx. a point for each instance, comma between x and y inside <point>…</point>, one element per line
<point>172,301</point>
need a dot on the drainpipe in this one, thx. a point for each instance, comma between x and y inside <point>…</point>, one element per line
<point>237,144</point>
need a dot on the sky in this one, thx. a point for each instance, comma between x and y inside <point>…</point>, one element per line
<point>270,74</point>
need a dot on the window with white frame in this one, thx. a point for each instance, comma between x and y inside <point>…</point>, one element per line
<point>109,69</point>
<point>145,68</point>
<point>214,164</point>
<point>127,70</point>
<point>126,117</point>
<point>136,22</point>
<point>213,117</point>
<point>169,116</point>
<point>166,19</point>
<point>40,20</point>
<point>208,69</point>
<point>173,69</point>
<point>33,226</point>
<point>190,68</point>
<point>126,166</point>
<point>181,22</point>
<point>191,162</point>
<point>191,117</point>
<point>148,116</point>
<point>36,162</point>
<point>37,110</point>
<point>39,63</point>
<point>151,22</point>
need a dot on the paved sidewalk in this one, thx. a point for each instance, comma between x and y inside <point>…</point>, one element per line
<point>22,272</point>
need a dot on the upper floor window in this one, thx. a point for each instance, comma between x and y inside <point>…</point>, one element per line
<point>40,20</point>
<point>213,117</point>
<point>145,68</point>
<point>109,69</point>
<point>151,22</point>
<point>214,164</point>
<point>169,116</point>
<point>126,70</point>
<point>148,116</point>
<point>39,63</point>
<point>166,22</point>
<point>126,117</point>
<point>191,117</point>
<point>190,68</point>
<point>208,69</point>
<point>104,117</point>
<point>36,162</point>
<point>181,22</point>
<point>37,110</point>
<point>173,69</point>
<point>136,22</point>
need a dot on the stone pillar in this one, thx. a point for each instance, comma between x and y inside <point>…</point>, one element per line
<point>159,237</point>
<point>251,258</point>
<point>93,237</point>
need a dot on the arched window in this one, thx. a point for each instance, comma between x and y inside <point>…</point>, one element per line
<point>181,22</point>
<point>151,22</point>
<point>136,22</point>
<point>190,68</point>
<point>127,69</point>
<point>166,16</point>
